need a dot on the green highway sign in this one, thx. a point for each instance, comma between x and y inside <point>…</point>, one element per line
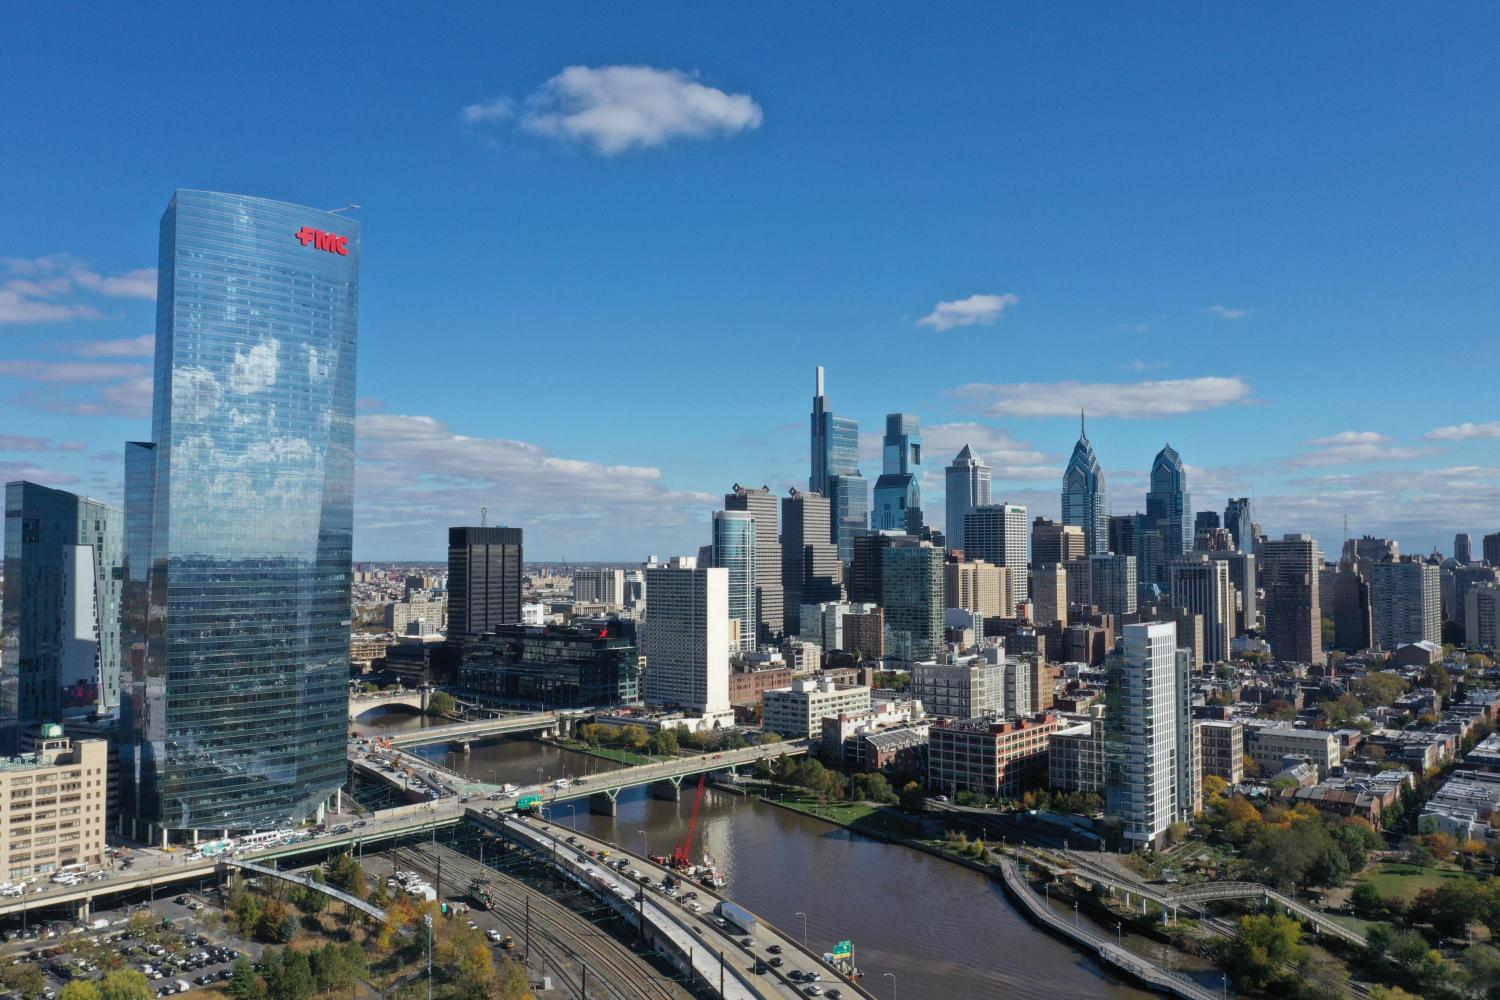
<point>844,949</point>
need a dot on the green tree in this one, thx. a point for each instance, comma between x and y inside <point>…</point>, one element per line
<point>511,982</point>
<point>330,969</point>
<point>913,798</point>
<point>242,984</point>
<point>125,984</point>
<point>345,872</point>
<point>1367,902</point>
<point>441,703</point>
<point>1266,942</point>
<point>1380,687</point>
<point>289,976</point>
<point>79,989</point>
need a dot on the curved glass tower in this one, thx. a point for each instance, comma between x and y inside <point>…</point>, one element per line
<point>1169,506</point>
<point>1085,499</point>
<point>238,629</point>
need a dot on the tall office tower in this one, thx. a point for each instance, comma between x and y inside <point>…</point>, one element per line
<point>997,533</point>
<point>60,635</point>
<point>484,578</point>
<point>912,584</point>
<point>1141,749</point>
<point>1242,577</point>
<point>1491,545</point>
<point>1150,555</point>
<point>1189,761</point>
<point>1112,584</point>
<point>1206,521</point>
<point>1052,542</point>
<point>810,569</point>
<point>238,702</point>
<point>1080,583</point>
<point>977,586</point>
<point>735,544</point>
<point>685,637</point>
<point>1368,548</point>
<point>1085,498</point>
<point>1458,581</point>
<point>1049,594</point>
<point>1238,520</point>
<point>1200,586</point>
<point>865,582</point>
<point>1169,505</point>
<point>769,601</point>
<point>898,491</point>
<point>1122,534</point>
<point>1405,602</point>
<point>1294,614</point>
<point>1353,630</point>
<point>598,586</point>
<point>968,482</point>
<point>1463,547</point>
<point>1482,616</point>
<point>835,472</point>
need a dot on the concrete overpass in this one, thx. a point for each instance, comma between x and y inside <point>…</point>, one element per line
<point>665,778</point>
<point>354,902</point>
<point>544,723</point>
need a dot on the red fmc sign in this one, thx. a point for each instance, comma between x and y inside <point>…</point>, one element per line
<point>324,241</point>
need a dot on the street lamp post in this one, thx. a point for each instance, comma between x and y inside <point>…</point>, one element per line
<point>1119,936</point>
<point>1226,986</point>
<point>645,847</point>
<point>1075,914</point>
<point>892,976</point>
<point>804,927</point>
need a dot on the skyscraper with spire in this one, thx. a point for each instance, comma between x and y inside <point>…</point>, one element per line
<point>968,487</point>
<point>1085,499</point>
<point>1169,506</point>
<point>835,472</point>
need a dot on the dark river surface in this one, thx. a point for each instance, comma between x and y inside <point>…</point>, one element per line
<point>942,930</point>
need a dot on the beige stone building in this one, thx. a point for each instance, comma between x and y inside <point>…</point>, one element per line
<point>52,805</point>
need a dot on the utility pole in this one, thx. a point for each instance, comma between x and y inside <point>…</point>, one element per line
<point>528,930</point>
<point>721,974</point>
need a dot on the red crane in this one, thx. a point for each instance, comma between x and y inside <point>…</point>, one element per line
<point>680,854</point>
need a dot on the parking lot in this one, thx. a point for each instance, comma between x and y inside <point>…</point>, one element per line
<point>165,940</point>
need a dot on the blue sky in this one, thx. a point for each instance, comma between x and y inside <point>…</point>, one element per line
<point>605,245</point>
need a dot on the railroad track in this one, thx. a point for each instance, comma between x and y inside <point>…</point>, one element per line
<point>609,969</point>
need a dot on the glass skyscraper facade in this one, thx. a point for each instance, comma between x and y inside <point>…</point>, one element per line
<point>734,550</point>
<point>898,492</point>
<point>1085,498</point>
<point>835,472</point>
<point>241,509</point>
<point>1170,507</point>
<point>61,628</point>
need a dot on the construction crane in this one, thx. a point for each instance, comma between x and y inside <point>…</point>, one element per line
<point>681,854</point>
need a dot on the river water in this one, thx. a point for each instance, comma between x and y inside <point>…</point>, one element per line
<point>941,930</point>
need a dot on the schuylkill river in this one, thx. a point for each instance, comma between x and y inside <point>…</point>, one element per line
<point>943,930</point>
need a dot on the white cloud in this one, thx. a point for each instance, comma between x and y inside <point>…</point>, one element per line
<point>36,287</point>
<point>19,442</point>
<point>495,109</point>
<point>1138,365</point>
<point>143,346</point>
<point>616,108</point>
<point>1464,431</point>
<point>992,444</point>
<point>1350,447</point>
<point>416,476</point>
<point>1163,398</point>
<point>976,310</point>
<point>15,307</point>
<point>70,371</point>
<point>1225,312</point>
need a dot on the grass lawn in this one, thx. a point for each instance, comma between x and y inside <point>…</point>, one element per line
<point>859,816</point>
<point>1406,881</point>
<point>607,753</point>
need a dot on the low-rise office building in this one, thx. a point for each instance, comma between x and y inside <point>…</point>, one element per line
<point>54,803</point>
<point>552,667</point>
<point>990,757</point>
<point>1075,757</point>
<point>1222,744</point>
<point>798,711</point>
<point>1266,745</point>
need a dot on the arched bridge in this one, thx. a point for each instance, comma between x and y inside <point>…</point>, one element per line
<point>416,700</point>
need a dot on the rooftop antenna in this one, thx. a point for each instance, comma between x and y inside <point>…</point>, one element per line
<point>347,208</point>
<point>1082,431</point>
<point>484,517</point>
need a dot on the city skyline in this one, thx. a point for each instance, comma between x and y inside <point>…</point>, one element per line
<point>1230,310</point>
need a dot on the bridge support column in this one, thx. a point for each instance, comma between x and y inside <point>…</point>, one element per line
<point>603,803</point>
<point>669,790</point>
<point>426,694</point>
<point>83,910</point>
